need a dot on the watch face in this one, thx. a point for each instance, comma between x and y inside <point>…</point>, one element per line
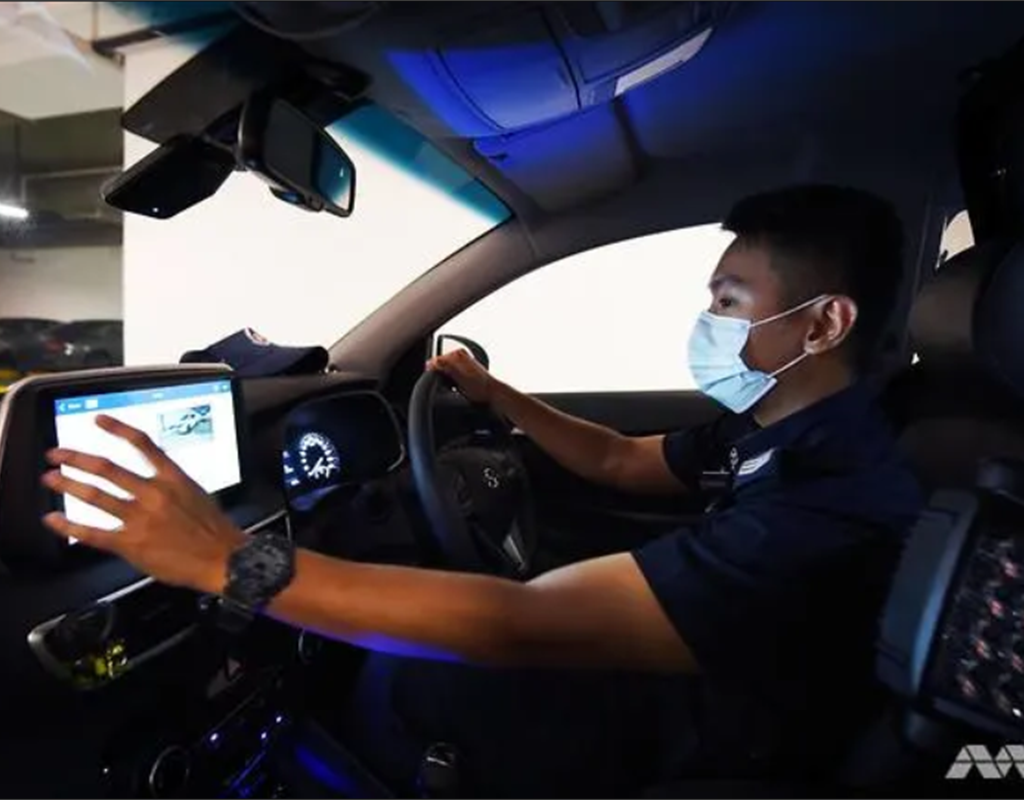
<point>271,559</point>
<point>260,569</point>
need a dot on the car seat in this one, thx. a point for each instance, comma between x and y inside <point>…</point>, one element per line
<point>962,400</point>
<point>948,658</point>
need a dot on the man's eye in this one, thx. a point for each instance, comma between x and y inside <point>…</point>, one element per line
<point>726,302</point>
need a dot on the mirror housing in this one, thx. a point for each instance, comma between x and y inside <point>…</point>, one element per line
<point>176,176</point>
<point>300,161</point>
<point>447,342</point>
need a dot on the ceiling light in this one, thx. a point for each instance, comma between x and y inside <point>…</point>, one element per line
<point>13,212</point>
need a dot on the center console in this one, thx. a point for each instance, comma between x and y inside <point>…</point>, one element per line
<point>217,743</point>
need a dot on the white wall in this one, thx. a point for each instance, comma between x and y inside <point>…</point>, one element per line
<point>243,258</point>
<point>61,283</point>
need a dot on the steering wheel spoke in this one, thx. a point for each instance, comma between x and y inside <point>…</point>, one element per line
<point>514,546</point>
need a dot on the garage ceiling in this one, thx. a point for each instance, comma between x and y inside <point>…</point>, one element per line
<point>60,133</point>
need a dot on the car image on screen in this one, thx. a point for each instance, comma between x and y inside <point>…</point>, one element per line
<point>184,426</point>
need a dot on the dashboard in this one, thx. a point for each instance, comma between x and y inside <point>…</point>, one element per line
<point>85,638</point>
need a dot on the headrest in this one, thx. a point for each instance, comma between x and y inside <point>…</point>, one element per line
<point>972,311</point>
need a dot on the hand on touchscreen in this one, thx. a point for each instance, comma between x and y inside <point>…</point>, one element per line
<point>170,528</point>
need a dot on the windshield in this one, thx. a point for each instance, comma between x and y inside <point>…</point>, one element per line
<point>240,259</point>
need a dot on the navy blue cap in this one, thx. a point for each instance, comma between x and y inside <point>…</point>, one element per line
<point>251,355</point>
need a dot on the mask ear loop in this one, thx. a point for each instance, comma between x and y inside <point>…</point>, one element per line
<point>792,363</point>
<point>793,310</point>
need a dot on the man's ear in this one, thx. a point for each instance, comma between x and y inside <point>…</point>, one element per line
<point>832,325</point>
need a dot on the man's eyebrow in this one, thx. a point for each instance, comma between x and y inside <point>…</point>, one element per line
<point>725,282</point>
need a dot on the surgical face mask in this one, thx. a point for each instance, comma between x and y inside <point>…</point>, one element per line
<point>716,360</point>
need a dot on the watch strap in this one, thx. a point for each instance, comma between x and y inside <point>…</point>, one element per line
<point>233,617</point>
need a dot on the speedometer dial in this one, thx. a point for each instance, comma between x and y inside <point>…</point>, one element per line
<point>318,457</point>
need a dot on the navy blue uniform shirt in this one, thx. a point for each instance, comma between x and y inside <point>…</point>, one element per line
<point>778,590</point>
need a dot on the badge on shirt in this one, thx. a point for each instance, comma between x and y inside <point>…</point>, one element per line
<point>755,464</point>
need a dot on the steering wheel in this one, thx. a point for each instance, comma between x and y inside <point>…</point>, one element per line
<point>476,497</point>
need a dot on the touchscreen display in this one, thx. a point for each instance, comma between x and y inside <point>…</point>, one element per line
<point>193,423</point>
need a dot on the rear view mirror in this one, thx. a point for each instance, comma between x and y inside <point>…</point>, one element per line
<point>302,163</point>
<point>175,176</point>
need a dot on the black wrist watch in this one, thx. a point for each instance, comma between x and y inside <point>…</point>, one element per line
<point>258,571</point>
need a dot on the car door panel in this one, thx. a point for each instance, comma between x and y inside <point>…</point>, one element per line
<point>637,413</point>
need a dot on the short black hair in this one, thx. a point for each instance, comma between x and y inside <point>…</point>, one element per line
<point>825,239</point>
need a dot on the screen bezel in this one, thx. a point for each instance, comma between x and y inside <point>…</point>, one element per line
<point>47,431</point>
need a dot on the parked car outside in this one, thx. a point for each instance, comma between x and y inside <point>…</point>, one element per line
<point>82,344</point>
<point>19,337</point>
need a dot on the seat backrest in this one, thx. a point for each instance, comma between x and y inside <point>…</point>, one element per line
<point>961,401</point>
<point>958,406</point>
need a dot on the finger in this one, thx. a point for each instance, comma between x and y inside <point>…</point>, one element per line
<point>87,493</point>
<point>94,537</point>
<point>99,467</point>
<point>137,439</point>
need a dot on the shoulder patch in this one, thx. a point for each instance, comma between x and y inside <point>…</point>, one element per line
<point>752,465</point>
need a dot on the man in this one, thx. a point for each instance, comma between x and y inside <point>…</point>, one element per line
<point>742,644</point>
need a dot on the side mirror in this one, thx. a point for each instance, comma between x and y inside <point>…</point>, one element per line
<point>448,342</point>
<point>174,177</point>
<point>302,163</point>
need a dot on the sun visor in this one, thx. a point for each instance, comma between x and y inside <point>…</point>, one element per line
<point>532,65</point>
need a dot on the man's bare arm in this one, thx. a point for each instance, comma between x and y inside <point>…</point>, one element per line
<point>596,614</point>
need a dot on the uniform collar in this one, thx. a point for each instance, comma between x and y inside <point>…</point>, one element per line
<point>810,427</point>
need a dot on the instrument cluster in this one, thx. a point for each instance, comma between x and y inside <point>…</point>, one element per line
<point>339,441</point>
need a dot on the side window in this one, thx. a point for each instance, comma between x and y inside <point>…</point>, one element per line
<point>613,319</point>
<point>957,236</point>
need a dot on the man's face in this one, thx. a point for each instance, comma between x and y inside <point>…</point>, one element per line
<point>745,286</point>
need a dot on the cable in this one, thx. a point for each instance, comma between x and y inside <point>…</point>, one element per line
<point>348,24</point>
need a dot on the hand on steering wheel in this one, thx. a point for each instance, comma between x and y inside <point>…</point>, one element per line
<point>470,377</point>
